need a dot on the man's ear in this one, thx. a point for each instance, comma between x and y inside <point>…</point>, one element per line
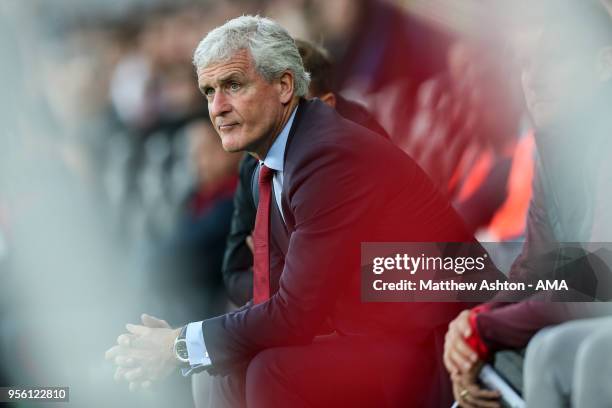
<point>286,84</point>
<point>329,98</point>
<point>604,64</point>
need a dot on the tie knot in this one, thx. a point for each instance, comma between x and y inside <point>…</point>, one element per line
<point>265,174</point>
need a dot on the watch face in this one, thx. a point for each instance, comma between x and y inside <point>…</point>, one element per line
<point>180,349</point>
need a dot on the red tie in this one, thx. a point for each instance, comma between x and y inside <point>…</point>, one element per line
<point>261,238</point>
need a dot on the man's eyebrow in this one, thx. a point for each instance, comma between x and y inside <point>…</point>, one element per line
<point>230,77</point>
<point>223,80</point>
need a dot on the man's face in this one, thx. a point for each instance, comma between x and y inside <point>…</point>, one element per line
<point>246,110</point>
<point>558,77</point>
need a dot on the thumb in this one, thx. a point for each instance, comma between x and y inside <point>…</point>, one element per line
<point>154,322</point>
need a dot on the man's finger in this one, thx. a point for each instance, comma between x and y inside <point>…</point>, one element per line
<point>134,374</point>
<point>483,393</point>
<point>462,363</point>
<point>464,357</point>
<point>476,403</point>
<point>451,337</point>
<point>119,374</point>
<point>471,395</point>
<point>112,352</point>
<point>465,349</point>
<point>465,404</point>
<point>450,364</point>
<point>124,340</point>
<point>458,356</point>
<point>480,403</point>
<point>154,322</point>
<point>125,361</point>
<point>462,324</point>
<point>457,378</point>
<point>137,329</point>
<point>460,396</point>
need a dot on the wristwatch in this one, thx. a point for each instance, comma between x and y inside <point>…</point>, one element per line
<point>180,347</point>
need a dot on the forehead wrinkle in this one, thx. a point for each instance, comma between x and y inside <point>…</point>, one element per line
<point>230,70</point>
<point>241,58</point>
<point>230,76</point>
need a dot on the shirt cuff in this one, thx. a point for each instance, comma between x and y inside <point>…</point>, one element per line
<point>196,349</point>
<point>475,340</point>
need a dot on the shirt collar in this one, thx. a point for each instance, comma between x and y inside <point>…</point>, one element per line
<point>275,158</point>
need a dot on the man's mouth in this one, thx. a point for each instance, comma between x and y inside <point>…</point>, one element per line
<point>227,126</point>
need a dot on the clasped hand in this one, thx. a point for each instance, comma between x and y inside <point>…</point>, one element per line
<point>464,365</point>
<point>145,354</point>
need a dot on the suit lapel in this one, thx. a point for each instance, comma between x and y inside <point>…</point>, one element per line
<point>302,109</point>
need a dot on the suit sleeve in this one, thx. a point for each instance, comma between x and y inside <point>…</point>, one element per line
<point>507,325</point>
<point>329,202</point>
<point>540,236</point>
<point>238,259</point>
<point>512,326</point>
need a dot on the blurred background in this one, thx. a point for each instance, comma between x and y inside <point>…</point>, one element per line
<point>115,196</point>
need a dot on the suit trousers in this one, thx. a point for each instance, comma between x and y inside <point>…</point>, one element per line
<point>332,371</point>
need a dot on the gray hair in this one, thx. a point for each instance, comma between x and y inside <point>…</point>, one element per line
<point>271,47</point>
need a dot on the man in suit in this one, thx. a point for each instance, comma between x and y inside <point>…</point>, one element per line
<point>325,186</point>
<point>238,259</point>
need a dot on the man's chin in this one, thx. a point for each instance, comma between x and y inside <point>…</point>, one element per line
<point>231,146</point>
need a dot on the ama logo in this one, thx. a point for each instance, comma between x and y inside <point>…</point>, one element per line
<point>552,285</point>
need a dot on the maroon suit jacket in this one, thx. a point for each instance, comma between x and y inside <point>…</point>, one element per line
<point>343,185</point>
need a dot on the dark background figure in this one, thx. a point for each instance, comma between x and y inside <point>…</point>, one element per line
<point>380,49</point>
<point>466,133</point>
<point>322,69</point>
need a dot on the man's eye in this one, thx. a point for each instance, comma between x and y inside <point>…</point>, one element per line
<point>208,92</point>
<point>234,86</point>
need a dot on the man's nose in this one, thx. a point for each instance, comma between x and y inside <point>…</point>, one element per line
<point>220,104</point>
